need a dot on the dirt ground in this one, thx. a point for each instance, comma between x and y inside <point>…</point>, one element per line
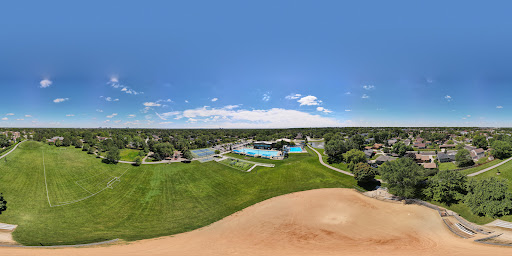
<point>316,222</point>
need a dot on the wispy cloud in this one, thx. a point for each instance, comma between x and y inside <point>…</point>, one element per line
<point>309,101</point>
<point>365,96</point>
<point>368,87</point>
<point>5,118</point>
<point>348,93</point>
<point>59,100</point>
<point>348,110</point>
<point>266,97</point>
<point>151,104</point>
<point>45,83</point>
<point>215,99</point>
<point>28,116</point>
<point>9,114</point>
<point>20,119</point>
<point>70,115</point>
<point>322,109</point>
<point>131,116</point>
<point>112,116</point>
<point>114,82</point>
<point>293,96</point>
<point>110,98</point>
<point>99,110</point>
<point>448,98</point>
<point>499,106</point>
<point>186,101</point>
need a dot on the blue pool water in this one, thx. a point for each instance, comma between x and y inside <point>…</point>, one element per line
<point>253,152</point>
<point>295,149</point>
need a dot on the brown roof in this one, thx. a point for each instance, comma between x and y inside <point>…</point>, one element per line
<point>479,150</point>
<point>425,158</point>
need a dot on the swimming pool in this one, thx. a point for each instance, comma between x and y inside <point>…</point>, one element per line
<point>252,152</point>
<point>295,150</point>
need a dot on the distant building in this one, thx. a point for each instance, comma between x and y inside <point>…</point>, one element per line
<point>263,144</point>
<point>477,154</point>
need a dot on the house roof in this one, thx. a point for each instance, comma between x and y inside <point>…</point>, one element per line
<point>478,150</point>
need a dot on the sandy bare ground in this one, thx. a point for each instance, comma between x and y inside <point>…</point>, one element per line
<point>316,222</point>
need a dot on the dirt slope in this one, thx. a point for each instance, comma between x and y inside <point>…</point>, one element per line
<point>317,222</point>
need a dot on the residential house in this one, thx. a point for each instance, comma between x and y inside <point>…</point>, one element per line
<point>391,142</point>
<point>368,153</point>
<point>444,158</point>
<point>377,146</point>
<point>430,165</point>
<point>407,142</point>
<point>420,145</point>
<point>477,153</point>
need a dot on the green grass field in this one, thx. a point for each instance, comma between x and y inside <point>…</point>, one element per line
<point>129,154</point>
<point>447,166</point>
<point>147,201</point>
<point>481,167</point>
<point>237,164</point>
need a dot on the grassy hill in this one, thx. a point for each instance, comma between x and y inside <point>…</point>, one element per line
<point>89,204</point>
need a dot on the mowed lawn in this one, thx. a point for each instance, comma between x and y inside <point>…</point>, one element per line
<point>129,154</point>
<point>148,201</point>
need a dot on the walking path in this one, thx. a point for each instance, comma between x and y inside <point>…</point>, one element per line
<point>11,150</point>
<point>328,166</point>
<point>255,164</point>
<point>488,168</point>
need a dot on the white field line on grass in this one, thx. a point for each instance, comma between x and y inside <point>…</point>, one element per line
<point>83,187</point>
<point>78,200</point>
<point>45,183</point>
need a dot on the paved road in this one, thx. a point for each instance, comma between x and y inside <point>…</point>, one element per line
<point>328,166</point>
<point>11,150</point>
<point>488,168</point>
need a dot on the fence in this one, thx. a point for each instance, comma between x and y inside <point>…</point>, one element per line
<point>471,226</point>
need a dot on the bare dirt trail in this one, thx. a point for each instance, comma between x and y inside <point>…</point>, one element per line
<point>316,222</point>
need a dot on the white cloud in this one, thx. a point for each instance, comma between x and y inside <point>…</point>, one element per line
<point>242,118</point>
<point>164,116</point>
<point>59,100</point>
<point>117,121</point>
<point>9,114</point>
<point>348,110</point>
<point>448,98</point>
<point>231,106</point>
<point>499,106</point>
<point>348,93</point>
<point>110,99</point>
<point>70,115</point>
<point>186,101</point>
<point>99,110</point>
<point>20,119</point>
<point>322,109</point>
<point>365,96</point>
<point>28,116</point>
<point>151,104</point>
<point>368,87</point>
<point>468,115</point>
<point>215,99</point>
<point>106,121</point>
<point>293,96</point>
<point>309,101</point>
<point>131,116</point>
<point>165,123</point>
<point>112,116</point>
<point>114,82</point>
<point>5,118</point>
<point>45,83</point>
<point>266,97</point>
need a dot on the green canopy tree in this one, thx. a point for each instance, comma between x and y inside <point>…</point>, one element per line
<point>353,157</point>
<point>501,149</point>
<point>480,141</point>
<point>463,159</point>
<point>446,186</point>
<point>364,173</point>
<point>402,176</point>
<point>113,155</point>
<point>489,197</point>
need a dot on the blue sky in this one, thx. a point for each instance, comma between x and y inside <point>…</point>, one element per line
<point>263,64</point>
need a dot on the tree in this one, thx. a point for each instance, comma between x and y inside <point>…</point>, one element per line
<point>90,150</point>
<point>113,155</point>
<point>78,144</point>
<point>446,186</point>
<point>480,141</point>
<point>402,176</point>
<point>58,143</point>
<point>217,151</point>
<point>335,149</point>
<point>463,159</point>
<point>364,173</point>
<point>501,149</point>
<point>138,161</point>
<point>3,203</point>
<point>489,197</point>
<point>86,147</point>
<point>66,142</point>
<point>353,157</point>
<point>188,155</point>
